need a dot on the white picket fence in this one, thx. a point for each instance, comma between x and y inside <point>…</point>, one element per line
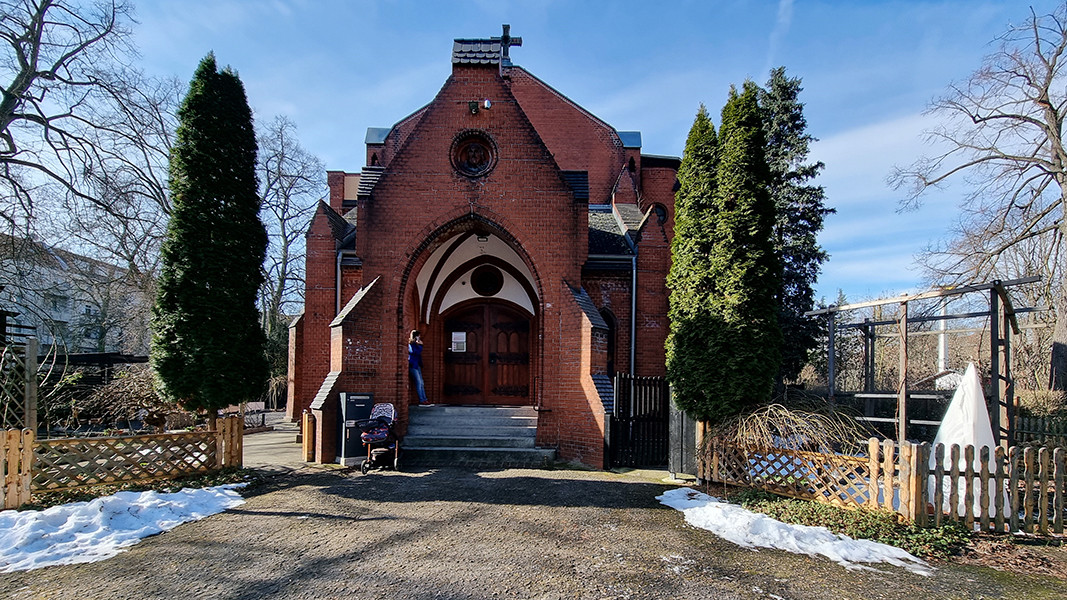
<point>1022,489</point>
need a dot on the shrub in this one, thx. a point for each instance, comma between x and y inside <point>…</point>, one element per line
<point>876,525</point>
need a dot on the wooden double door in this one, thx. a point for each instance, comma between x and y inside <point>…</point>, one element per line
<point>486,354</point>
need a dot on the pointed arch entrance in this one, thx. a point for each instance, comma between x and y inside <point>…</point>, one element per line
<point>477,300</point>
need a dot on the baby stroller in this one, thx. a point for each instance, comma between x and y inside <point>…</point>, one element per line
<point>383,445</point>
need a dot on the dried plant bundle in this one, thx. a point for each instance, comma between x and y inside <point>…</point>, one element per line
<point>776,426</point>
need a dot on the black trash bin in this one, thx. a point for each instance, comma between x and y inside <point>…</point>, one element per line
<point>353,408</point>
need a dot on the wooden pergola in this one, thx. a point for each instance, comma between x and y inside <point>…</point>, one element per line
<point>1002,323</point>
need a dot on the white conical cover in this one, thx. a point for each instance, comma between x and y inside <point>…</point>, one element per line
<point>966,423</point>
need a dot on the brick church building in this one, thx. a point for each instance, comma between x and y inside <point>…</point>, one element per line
<point>527,239</point>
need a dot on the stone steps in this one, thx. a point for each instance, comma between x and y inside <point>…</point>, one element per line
<point>473,436</point>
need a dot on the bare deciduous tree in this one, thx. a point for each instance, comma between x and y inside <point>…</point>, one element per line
<point>84,145</point>
<point>1002,132</point>
<point>58,58</point>
<point>292,180</point>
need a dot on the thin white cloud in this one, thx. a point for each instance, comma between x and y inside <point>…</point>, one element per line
<point>781,28</point>
<point>872,245</point>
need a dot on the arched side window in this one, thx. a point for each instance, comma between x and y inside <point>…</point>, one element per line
<point>613,328</point>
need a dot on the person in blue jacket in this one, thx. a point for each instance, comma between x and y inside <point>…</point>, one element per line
<point>415,364</point>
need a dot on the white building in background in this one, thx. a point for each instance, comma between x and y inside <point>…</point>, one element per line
<point>72,302</point>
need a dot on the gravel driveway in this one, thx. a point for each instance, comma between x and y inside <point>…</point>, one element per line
<point>451,533</point>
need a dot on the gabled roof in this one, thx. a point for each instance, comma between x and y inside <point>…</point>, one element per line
<point>579,182</point>
<point>325,390</point>
<point>476,52</point>
<point>581,297</point>
<point>344,232</point>
<point>356,298</point>
<point>630,216</point>
<point>376,135</point>
<point>606,390</point>
<point>605,235</point>
<point>368,178</point>
<point>630,139</point>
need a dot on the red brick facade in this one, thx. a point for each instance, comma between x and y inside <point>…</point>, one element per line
<point>560,214</point>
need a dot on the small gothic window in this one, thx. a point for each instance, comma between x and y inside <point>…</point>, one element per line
<point>473,154</point>
<point>631,166</point>
<point>374,159</point>
<point>487,280</point>
<point>609,318</point>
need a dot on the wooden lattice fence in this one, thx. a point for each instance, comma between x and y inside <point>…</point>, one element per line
<point>61,464</point>
<point>18,386</point>
<point>1021,489</point>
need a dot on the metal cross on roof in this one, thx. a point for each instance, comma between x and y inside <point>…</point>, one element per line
<point>506,41</point>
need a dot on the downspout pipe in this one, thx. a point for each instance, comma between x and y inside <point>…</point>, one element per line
<point>633,313</point>
<point>338,300</point>
<point>337,285</point>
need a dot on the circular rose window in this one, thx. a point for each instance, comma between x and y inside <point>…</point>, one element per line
<point>473,154</point>
<point>487,280</point>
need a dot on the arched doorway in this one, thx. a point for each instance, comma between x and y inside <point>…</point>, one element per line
<point>486,348</point>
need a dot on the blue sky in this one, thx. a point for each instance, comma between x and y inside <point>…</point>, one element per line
<point>869,69</point>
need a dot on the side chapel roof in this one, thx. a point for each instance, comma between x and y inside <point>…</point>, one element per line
<point>343,231</point>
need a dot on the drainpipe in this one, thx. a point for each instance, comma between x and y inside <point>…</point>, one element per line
<point>633,313</point>
<point>337,286</point>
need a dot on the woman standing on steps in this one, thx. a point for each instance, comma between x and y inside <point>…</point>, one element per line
<point>415,364</point>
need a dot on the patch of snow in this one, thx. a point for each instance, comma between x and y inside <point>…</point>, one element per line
<point>754,530</point>
<point>82,532</point>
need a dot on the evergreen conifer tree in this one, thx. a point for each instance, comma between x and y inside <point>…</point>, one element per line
<point>207,345</point>
<point>800,209</point>
<point>723,350</point>
<point>744,265</point>
<point>689,280</point>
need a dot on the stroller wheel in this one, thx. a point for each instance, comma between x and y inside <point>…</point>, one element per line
<point>396,459</point>
<point>364,467</point>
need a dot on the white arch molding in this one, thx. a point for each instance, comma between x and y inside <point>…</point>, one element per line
<point>451,265</point>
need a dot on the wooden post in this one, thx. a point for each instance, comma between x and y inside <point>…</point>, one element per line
<point>1058,465</point>
<point>873,452</point>
<point>830,375</point>
<point>889,482</point>
<point>939,484</point>
<point>904,463</point>
<point>16,466</point>
<point>994,363</point>
<point>1005,410</point>
<point>868,356</point>
<point>30,395</point>
<point>920,466</point>
<point>902,385</point>
<point>983,492</point>
<point>308,437</point>
<point>220,444</point>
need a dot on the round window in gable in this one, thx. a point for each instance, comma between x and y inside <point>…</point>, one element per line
<point>473,153</point>
<point>661,213</point>
<point>487,280</point>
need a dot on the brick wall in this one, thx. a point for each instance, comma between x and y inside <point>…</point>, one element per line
<point>320,307</point>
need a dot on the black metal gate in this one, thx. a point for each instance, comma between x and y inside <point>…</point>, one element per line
<point>640,435</point>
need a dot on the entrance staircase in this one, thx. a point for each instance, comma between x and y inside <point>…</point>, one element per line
<point>473,436</point>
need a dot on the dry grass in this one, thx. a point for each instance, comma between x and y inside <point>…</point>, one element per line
<point>777,426</point>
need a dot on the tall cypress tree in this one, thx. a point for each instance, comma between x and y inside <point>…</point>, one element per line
<point>723,350</point>
<point>800,208</point>
<point>207,345</point>
<point>746,344</point>
<point>690,283</point>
